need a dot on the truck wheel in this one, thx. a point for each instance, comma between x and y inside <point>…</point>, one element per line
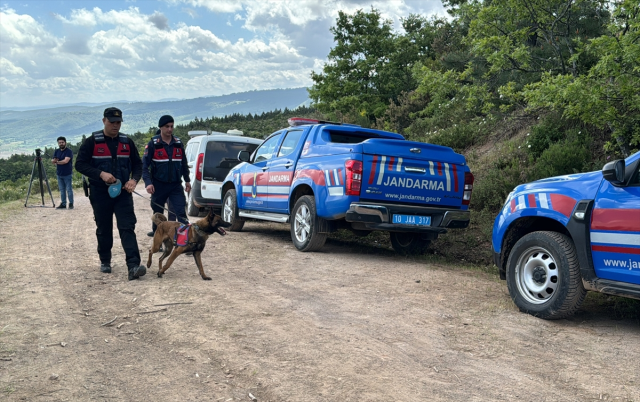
<point>230,211</point>
<point>192,210</point>
<point>408,243</point>
<point>304,225</point>
<point>543,275</point>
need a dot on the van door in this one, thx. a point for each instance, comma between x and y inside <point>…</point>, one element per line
<point>281,169</point>
<point>615,231</point>
<point>254,180</point>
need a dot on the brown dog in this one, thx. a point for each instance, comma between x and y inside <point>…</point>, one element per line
<point>197,238</point>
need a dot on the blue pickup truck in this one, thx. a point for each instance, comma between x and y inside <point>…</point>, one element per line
<point>322,176</point>
<point>560,237</point>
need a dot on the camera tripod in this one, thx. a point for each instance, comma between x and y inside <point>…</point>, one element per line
<point>42,177</point>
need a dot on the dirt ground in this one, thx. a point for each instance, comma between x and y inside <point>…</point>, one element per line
<point>349,323</point>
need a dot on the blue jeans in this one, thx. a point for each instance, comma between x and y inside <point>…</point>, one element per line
<point>64,185</point>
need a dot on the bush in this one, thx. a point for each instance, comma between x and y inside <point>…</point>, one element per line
<point>565,157</point>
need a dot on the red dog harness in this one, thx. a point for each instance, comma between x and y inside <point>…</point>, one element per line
<point>181,238</point>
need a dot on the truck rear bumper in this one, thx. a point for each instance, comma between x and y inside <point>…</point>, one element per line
<point>379,217</point>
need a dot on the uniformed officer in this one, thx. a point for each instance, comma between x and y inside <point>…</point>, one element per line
<point>109,159</point>
<point>163,163</point>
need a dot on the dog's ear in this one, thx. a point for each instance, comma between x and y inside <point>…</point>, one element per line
<point>210,215</point>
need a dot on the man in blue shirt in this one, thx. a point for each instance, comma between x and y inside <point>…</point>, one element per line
<point>164,166</point>
<point>63,159</point>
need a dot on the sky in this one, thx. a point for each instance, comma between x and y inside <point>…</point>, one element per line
<point>62,52</point>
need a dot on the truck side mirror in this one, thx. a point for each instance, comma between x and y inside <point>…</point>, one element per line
<point>613,172</point>
<point>244,156</point>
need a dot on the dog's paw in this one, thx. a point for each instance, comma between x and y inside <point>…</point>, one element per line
<point>206,278</point>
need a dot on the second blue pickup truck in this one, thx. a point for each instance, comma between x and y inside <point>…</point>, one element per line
<point>322,176</point>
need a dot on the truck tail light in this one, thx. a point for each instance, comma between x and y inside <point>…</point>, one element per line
<point>199,165</point>
<point>468,188</point>
<point>354,176</point>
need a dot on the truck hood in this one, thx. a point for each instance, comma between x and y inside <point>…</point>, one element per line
<point>580,185</point>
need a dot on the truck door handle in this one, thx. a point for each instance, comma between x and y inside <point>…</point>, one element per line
<point>415,169</point>
<point>288,164</point>
<point>265,168</point>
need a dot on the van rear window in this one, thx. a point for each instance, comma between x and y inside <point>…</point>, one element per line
<point>221,156</point>
<point>342,137</point>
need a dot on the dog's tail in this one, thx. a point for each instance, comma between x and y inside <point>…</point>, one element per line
<point>158,217</point>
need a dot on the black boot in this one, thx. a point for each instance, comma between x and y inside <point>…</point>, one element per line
<point>71,206</point>
<point>62,206</point>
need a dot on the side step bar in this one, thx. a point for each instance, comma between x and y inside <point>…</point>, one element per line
<point>265,216</point>
<point>615,288</point>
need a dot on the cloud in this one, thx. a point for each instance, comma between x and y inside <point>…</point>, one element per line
<point>192,13</point>
<point>217,6</point>
<point>75,44</point>
<point>159,20</point>
<point>8,68</point>
<point>22,31</point>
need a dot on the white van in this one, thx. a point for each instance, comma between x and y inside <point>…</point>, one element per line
<point>210,156</point>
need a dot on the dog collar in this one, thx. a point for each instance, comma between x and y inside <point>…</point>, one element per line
<point>200,231</point>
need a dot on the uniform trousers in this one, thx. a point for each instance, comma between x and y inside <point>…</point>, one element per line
<point>174,193</point>
<point>104,207</point>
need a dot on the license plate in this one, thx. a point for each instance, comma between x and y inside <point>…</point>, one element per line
<point>412,220</point>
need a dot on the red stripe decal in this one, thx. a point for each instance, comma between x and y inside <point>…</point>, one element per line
<point>532,201</point>
<point>455,178</point>
<point>332,180</point>
<point>609,249</point>
<point>374,165</point>
<point>439,169</point>
<point>625,220</point>
<point>340,177</point>
<point>316,175</point>
<point>562,204</point>
<point>391,160</point>
<point>513,205</point>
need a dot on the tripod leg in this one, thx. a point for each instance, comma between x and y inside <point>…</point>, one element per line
<point>40,170</point>
<point>46,180</point>
<point>35,161</point>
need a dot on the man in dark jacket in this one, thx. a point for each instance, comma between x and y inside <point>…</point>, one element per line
<point>108,158</point>
<point>163,164</point>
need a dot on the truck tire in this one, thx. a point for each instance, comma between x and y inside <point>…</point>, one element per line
<point>304,225</point>
<point>230,211</point>
<point>192,209</point>
<point>543,275</point>
<point>408,243</point>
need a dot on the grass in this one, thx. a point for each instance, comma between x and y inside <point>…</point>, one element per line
<point>618,308</point>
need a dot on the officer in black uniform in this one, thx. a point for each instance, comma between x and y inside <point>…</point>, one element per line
<point>105,157</point>
<point>163,163</point>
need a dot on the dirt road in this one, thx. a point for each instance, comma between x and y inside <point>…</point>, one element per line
<point>349,323</point>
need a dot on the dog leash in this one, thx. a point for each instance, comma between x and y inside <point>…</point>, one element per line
<point>161,206</point>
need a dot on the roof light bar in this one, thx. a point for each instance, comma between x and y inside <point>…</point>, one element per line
<point>300,121</point>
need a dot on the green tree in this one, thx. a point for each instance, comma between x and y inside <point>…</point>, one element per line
<point>370,64</point>
<point>607,96</point>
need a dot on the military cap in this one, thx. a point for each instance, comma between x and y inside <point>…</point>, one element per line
<point>113,114</point>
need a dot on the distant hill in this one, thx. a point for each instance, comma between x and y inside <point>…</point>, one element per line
<point>24,130</point>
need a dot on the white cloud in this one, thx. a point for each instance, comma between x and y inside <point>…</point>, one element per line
<point>22,31</point>
<point>218,6</point>
<point>8,68</point>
